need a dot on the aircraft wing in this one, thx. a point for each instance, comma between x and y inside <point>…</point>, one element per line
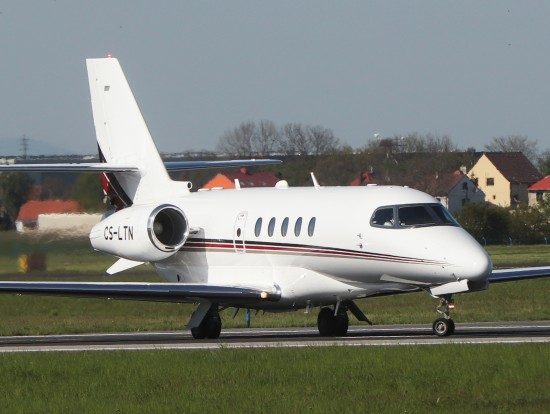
<point>520,273</point>
<point>155,292</point>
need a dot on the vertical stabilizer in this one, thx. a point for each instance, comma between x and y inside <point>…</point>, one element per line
<point>122,134</point>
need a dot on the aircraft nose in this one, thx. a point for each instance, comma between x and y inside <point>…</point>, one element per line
<point>476,266</point>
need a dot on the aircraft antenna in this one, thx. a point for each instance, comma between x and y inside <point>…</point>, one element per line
<point>315,183</point>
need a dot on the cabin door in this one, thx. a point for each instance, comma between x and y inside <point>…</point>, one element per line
<point>238,232</point>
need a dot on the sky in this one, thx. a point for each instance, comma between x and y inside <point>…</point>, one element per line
<point>472,70</point>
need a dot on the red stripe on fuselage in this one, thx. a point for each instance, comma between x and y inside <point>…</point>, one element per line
<point>273,248</point>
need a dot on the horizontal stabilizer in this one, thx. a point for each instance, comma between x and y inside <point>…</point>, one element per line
<point>111,167</point>
<point>155,292</point>
<point>197,165</point>
<point>76,167</point>
<point>510,275</point>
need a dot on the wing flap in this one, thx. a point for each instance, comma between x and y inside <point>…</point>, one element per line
<point>155,292</point>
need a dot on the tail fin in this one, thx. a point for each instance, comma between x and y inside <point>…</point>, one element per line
<point>123,136</point>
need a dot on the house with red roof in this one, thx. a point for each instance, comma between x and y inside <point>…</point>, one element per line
<point>365,178</point>
<point>539,191</point>
<point>504,177</point>
<point>246,177</point>
<point>29,212</point>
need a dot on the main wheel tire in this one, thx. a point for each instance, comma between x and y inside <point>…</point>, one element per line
<point>212,326</point>
<point>198,332</point>
<point>443,327</point>
<point>342,323</point>
<point>451,326</point>
<point>326,322</point>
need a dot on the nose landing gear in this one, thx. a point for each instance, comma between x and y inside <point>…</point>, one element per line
<point>444,326</point>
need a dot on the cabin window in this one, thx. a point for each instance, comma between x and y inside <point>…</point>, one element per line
<point>271,227</point>
<point>490,181</point>
<point>298,227</point>
<point>311,227</point>
<point>258,227</point>
<point>284,227</point>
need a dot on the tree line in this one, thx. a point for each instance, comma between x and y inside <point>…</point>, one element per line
<point>262,139</point>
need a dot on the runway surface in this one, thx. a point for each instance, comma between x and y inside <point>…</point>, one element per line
<point>390,335</point>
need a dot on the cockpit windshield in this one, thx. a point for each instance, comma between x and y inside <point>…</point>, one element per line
<point>412,215</point>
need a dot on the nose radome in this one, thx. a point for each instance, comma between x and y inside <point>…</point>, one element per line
<point>476,266</point>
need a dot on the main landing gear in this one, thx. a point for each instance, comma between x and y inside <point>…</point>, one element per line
<point>331,324</point>
<point>334,322</point>
<point>210,327</point>
<point>444,326</point>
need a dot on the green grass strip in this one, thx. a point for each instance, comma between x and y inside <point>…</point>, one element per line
<point>450,379</point>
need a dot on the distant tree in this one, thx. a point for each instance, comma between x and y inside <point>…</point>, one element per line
<point>321,140</point>
<point>412,143</point>
<point>514,143</point>
<point>54,188</point>
<point>238,141</point>
<point>87,190</point>
<point>544,163</point>
<point>14,188</point>
<point>529,224</point>
<point>265,138</point>
<point>293,140</point>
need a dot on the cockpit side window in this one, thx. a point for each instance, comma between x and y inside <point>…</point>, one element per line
<point>444,215</point>
<point>412,215</point>
<point>415,216</point>
<point>383,217</point>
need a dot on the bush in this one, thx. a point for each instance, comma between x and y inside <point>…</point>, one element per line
<point>485,222</point>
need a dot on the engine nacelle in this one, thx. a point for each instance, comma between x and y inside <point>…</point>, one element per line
<point>142,233</point>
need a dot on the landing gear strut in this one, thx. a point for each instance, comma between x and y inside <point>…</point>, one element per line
<point>444,326</point>
<point>330,324</point>
<point>210,327</point>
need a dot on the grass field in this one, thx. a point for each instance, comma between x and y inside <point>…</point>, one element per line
<point>449,378</point>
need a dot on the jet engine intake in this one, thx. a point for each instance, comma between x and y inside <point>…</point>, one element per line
<point>168,228</point>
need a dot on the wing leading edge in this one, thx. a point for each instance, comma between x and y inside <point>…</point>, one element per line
<point>155,292</point>
<point>521,273</point>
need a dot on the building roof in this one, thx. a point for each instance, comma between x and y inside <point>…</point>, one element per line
<point>444,183</point>
<point>364,179</point>
<point>31,209</point>
<point>515,167</point>
<point>541,185</point>
<point>246,178</point>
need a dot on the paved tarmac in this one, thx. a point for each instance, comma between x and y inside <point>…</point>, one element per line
<point>388,335</point>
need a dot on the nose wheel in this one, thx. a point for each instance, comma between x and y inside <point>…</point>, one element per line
<point>444,326</point>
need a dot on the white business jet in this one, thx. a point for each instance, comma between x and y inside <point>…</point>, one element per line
<point>272,249</point>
